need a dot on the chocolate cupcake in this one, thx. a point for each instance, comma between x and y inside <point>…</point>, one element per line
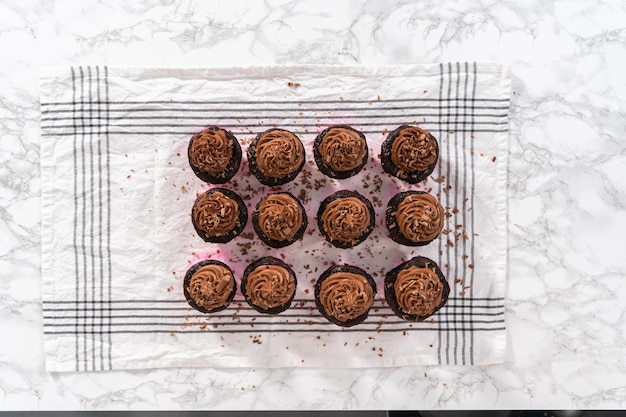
<point>409,153</point>
<point>219,215</point>
<point>269,285</point>
<point>416,289</point>
<point>345,219</point>
<point>209,286</point>
<point>214,155</point>
<point>340,151</point>
<point>344,294</point>
<point>279,219</point>
<point>414,218</point>
<point>275,157</point>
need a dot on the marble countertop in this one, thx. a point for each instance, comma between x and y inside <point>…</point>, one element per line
<point>566,293</point>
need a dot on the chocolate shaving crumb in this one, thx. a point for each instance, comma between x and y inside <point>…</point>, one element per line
<point>303,196</point>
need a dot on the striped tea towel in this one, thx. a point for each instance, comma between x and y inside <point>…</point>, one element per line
<point>117,192</point>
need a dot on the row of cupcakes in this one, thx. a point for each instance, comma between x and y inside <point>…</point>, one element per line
<point>344,294</point>
<point>345,218</point>
<point>276,156</point>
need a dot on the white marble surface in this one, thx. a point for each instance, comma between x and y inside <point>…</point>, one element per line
<point>567,213</point>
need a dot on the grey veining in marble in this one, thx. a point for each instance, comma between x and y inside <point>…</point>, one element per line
<point>567,194</point>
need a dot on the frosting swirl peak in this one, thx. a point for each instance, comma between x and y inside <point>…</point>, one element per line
<point>414,149</point>
<point>346,295</point>
<point>342,149</point>
<point>420,217</point>
<point>211,286</point>
<point>419,291</point>
<point>279,153</point>
<point>270,286</point>
<point>216,214</point>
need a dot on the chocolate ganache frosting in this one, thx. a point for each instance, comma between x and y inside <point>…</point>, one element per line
<point>216,214</point>
<point>346,296</point>
<point>346,219</point>
<point>420,217</point>
<point>414,149</point>
<point>280,216</point>
<point>418,291</point>
<point>342,149</point>
<point>211,151</point>
<point>210,286</point>
<point>270,286</point>
<point>279,153</point>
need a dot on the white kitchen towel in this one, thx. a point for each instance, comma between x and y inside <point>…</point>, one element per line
<point>117,192</point>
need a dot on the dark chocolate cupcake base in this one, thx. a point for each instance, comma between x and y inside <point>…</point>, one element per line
<point>279,243</point>
<point>267,260</point>
<point>231,169</point>
<point>260,175</point>
<point>392,223</point>
<point>390,167</point>
<point>187,280</point>
<point>345,194</point>
<point>390,280</point>
<point>327,170</point>
<point>325,275</point>
<point>242,219</point>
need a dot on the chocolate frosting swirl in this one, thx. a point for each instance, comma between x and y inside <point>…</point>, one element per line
<point>346,219</point>
<point>279,153</point>
<point>211,151</point>
<point>270,286</point>
<point>346,295</point>
<point>414,149</point>
<point>216,214</point>
<point>210,286</point>
<point>280,216</point>
<point>342,149</point>
<point>419,291</point>
<point>420,217</point>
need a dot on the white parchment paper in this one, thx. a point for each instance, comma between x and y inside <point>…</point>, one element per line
<point>118,190</point>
